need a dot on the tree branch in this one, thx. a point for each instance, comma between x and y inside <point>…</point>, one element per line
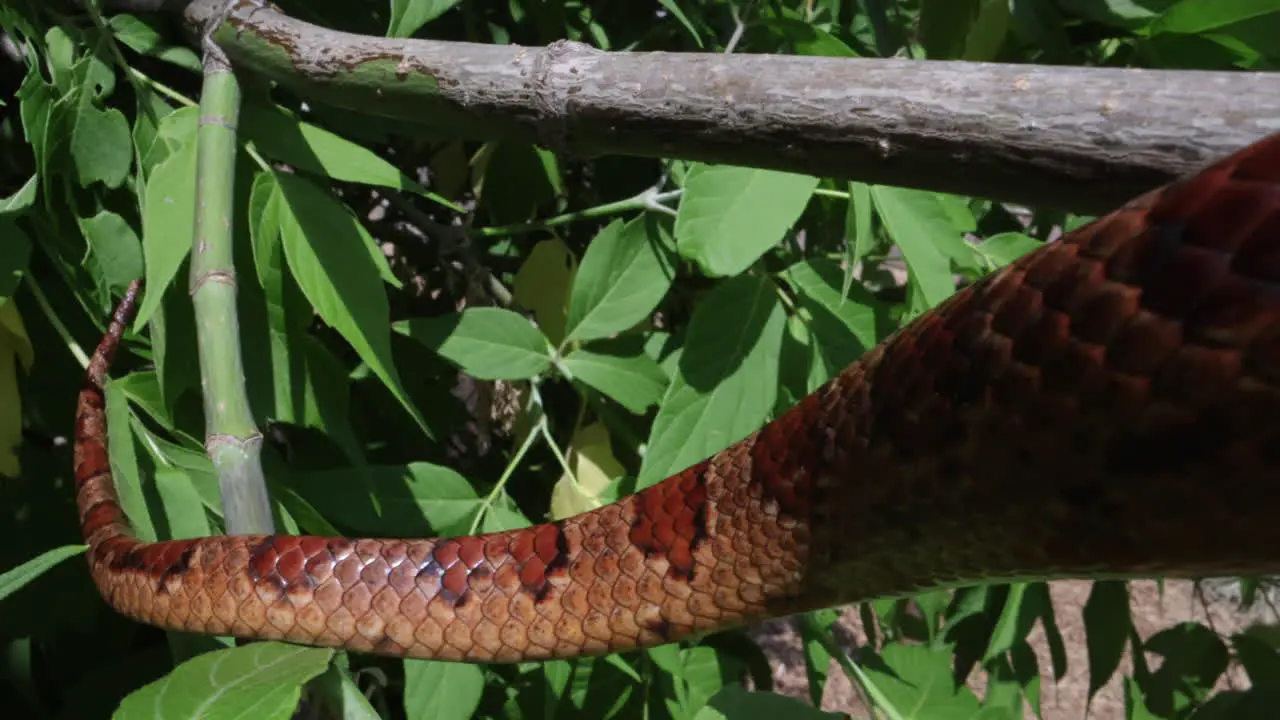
<point>1081,139</point>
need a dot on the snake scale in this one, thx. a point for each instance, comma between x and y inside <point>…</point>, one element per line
<point>1107,405</point>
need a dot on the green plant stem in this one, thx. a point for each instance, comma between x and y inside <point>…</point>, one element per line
<point>829,193</point>
<point>55,321</point>
<point>647,200</point>
<point>231,437</point>
<point>555,450</point>
<point>487,503</point>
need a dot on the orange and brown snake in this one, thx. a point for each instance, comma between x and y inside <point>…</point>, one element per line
<point>1108,405</point>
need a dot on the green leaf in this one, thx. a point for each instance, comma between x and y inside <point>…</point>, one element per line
<point>801,369</point>
<point>1009,629</point>
<point>183,506</point>
<point>332,257</point>
<point>944,25</point>
<point>168,216</point>
<point>917,682</point>
<point>146,40</point>
<point>859,239</point>
<point>1039,602</point>
<point>342,696</point>
<point>1198,16</point>
<point>125,470</point>
<point>1002,249</point>
<point>100,142</point>
<point>815,636</point>
<point>407,495</point>
<point>919,224</point>
<point>518,180</point>
<point>173,346</point>
<point>625,273</point>
<point>931,605</point>
<point>1193,659</point>
<point>672,7</point>
<point>15,253</point>
<point>1134,707</point>
<point>13,580</point>
<point>407,16</point>
<point>15,346</point>
<point>311,388</point>
<point>807,39</point>
<point>261,681</point>
<point>988,32</point>
<point>727,380</point>
<point>487,343</point>
<point>115,247</point>
<point>195,465</point>
<point>1003,697</point>
<point>315,150</point>
<point>22,198</point>
<point>501,519</point>
<point>441,690</point>
<point>1260,660</point>
<point>1041,23</point>
<point>1026,668</point>
<point>1119,13</point>
<point>621,371</point>
<point>705,671</point>
<point>730,216</point>
<point>734,702</point>
<point>844,325</point>
<point>1107,622</point>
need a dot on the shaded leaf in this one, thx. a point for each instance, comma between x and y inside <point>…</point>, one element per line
<point>486,343</point>
<point>315,150</point>
<point>727,379</point>
<point>733,702</point>
<point>1107,622</point>
<point>407,495</point>
<point>333,259</point>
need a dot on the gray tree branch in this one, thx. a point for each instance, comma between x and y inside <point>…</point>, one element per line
<point>1076,138</point>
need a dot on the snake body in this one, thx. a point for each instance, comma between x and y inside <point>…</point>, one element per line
<point>1108,405</point>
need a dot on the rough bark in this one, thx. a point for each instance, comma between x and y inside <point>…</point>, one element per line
<point>1076,138</point>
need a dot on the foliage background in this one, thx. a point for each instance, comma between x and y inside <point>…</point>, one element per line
<point>387,283</point>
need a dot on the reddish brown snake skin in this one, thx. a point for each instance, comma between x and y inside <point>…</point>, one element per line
<point>1109,405</point>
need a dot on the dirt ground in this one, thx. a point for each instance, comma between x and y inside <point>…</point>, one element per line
<point>1061,700</point>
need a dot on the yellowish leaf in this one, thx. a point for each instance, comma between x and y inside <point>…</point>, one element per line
<point>11,324</point>
<point>543,283</point>
<point>450,170</point>
<point>593,463</point>
<point>14,344</point>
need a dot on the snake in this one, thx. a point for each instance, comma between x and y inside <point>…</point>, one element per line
<point>1105,406</point>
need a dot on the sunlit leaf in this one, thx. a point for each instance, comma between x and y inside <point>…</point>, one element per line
<point>262,681</point>
<point>730,216</point>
